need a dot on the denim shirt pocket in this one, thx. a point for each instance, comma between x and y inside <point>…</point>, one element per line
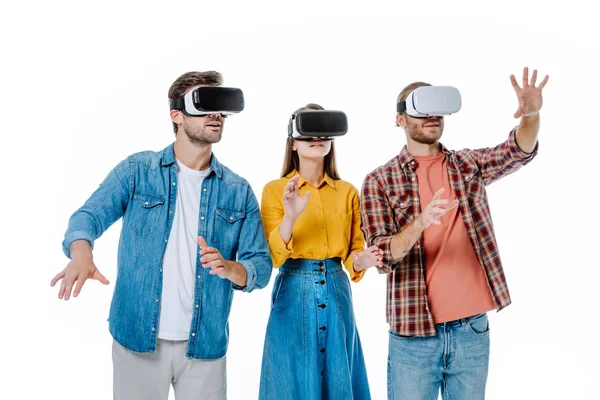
<point>146,211</point>
<point>228,224</point>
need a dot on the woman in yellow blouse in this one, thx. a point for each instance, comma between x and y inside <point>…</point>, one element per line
<point>312,220</point>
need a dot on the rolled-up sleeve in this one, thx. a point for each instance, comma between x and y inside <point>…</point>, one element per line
<point>503,159</point>
<point>105,206</point>
<point>272,213</point>
<point>377,223</point>
<point>253,250</point>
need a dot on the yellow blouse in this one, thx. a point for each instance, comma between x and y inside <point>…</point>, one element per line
<point>328,227</point>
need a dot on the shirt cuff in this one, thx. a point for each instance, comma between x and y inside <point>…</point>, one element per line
<point>515,151</point>
<point>277,244</point>
<point>388,261</point>
<point>250,277</point>
<point>73,236</point>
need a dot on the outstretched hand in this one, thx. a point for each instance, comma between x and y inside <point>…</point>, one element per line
<point>530,96</point>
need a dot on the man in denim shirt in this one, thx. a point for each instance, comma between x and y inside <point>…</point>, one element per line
<point>186,218</point>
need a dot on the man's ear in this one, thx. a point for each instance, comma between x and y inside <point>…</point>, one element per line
<point>176,117</point>
<point>401,120</point>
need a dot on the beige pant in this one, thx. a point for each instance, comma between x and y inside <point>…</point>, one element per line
<point>148,376</point>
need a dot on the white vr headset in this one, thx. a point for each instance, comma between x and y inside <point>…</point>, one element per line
<point>429,101</point>
<point>206,100</point>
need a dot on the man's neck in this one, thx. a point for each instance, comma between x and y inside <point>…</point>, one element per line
<point>421,149</point>
<point>193,156</point>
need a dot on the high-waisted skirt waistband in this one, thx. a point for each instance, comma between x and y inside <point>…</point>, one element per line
<point>310,266</point>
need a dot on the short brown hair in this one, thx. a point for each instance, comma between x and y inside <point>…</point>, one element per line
<point>291,162</point>
<point>191,79</point>
<point>408,90</point>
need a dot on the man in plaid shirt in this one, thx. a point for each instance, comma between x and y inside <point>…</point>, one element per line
<point>427,209</point>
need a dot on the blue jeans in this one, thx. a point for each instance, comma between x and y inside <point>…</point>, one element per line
<point>455,361</point>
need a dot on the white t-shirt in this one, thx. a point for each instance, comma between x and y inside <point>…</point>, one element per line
<point>179,261</point>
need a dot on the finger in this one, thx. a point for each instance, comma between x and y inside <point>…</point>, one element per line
<point>99,277</point>
<point>543,83</point>
<point>61,291</point>
<point>79,285</point>
<point>515,85</point>
<point>450,206</point>
<point>214,264</point>
<point>208,250</point>
<point>525,77</point>
<point>438,202</point>
<point>306,195</point>
<point>217,271</point>
<point>58,277</point>
<point>518,113</point>
<point>435,222</point>
<point>533,77</point>
<point>69,287</point>
<point>209,257</point>
<point>436,195</point>
<point>202,242</point>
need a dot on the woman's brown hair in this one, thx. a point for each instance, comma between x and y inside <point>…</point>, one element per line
<point>291,161</point>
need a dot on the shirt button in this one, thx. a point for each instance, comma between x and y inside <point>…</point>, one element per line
<point>146,204</point>
<point>166,240</point>
<point>197,306</point>
<point>202,217</point>
<point>198,276</point>
<point>193,333</point>
<point>161,270</point>
<point>466,178</point>
<point>412,179</point>
<point>174,183</point>
<point>324,244</point>
<point>156,300</point>
<point>322,282</point>
<point>320,263</point>
<point>204,190</point>
<point>412,162</point>
<point>170,212</point>
<point>322,226</point>
<point>323,328</point>
<point>231,218</point>
<point>153,329</point>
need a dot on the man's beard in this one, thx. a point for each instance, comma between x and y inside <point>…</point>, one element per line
<point>201,136</point>
<point>416,133</point>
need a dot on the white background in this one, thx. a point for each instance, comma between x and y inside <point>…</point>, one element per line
<point>84,84</point>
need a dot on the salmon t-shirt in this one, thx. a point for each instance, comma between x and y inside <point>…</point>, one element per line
<point>456,283</point>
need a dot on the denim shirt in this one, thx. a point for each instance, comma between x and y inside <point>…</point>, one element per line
<point>143,190</point>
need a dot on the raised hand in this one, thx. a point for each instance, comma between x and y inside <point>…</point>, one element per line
<point>293,203</point>
<point>368,258</point>
<point>435,210</point>
<point>530,96</point>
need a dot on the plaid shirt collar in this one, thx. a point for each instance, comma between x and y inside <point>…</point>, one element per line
<point>406,160</point>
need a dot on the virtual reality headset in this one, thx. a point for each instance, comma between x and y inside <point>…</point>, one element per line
<point>428,101</point>
<point>318,124</point>
<point>207,100</point>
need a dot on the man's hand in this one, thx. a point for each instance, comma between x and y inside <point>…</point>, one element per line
<point>530,96</point>
<point>225,269</point>
<point>80,268</point>
<point>435,210</point>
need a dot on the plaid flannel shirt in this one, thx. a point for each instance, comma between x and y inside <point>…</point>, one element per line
<point>390,202</point>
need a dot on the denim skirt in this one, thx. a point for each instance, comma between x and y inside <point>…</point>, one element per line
<point>312,349</point>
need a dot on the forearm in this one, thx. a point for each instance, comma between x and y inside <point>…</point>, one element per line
<point>80,249</point>
<point>238,275</point>
<point>527,132</point>
<point>402,242</point>
<point>285,228</point>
